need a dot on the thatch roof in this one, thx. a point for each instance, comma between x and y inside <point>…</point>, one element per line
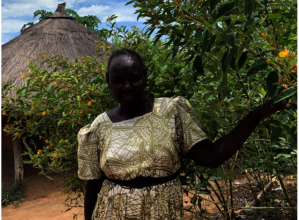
<point>59,34</point>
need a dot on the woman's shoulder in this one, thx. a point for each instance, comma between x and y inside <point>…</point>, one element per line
<point>166,101</point>
<point>101,118</point>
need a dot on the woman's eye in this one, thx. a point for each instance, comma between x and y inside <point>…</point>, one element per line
<point>116,81</point>
<point>135,79</point>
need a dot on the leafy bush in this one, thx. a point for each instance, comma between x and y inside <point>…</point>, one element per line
<point>15,194</point>
<point>54,106</point>
<point>240,53</point>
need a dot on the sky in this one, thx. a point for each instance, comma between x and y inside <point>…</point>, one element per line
<point>16,13</point>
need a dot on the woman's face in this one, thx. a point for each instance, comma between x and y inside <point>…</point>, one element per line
<point>126,80</point>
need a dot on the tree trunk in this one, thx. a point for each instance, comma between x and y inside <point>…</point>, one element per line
<point>18,161</point>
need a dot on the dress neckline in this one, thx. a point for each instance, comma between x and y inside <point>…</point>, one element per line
<point>146,114</point>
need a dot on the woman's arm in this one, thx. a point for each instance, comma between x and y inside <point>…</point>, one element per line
<point>93,187</point>
<point>207,154</point>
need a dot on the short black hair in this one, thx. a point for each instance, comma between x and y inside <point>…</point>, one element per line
<point>127,52</point>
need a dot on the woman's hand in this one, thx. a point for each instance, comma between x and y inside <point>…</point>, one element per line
<point>268,108</point>
<point>214,154</point>
<point>93,187</point>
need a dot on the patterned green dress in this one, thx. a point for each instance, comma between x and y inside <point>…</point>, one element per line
<point>151,146</point>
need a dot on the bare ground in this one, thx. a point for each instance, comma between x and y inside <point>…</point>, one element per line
<point>44,200</point>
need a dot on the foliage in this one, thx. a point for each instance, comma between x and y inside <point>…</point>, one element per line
<point>54,105</point>
<point>43,15</point>
<point>15,194</point>
<point>89,21</point>
<point>27,24</point>
<point>231,46</point>
<point>225,57</point>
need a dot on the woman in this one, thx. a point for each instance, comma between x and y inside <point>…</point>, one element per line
<point>130,155</point>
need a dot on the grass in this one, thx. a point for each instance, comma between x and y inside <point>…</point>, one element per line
<point>13,195</point>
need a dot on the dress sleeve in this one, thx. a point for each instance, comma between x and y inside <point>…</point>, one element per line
<point>188,127</point>
<point>88,155</point>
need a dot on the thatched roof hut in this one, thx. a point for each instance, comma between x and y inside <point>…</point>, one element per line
<point>59,34</point>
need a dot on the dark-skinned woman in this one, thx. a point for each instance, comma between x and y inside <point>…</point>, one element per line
<point>130,155</point>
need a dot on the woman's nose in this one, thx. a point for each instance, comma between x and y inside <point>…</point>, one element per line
<point>127,85</point>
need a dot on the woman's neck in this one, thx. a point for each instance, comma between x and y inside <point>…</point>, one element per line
<point>122,113</point>
<point>133,111</point>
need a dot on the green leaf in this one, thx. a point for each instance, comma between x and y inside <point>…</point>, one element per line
<point>285,94</point>
<point>20,90</point>
<point>259,44</point>
<point>198,67</point>
<point>223,176</point>
<point>157,38</point>
<point>224,9</point>
<point>275,134</point>
<point>103,86</point>
<point>259,67</point>
<point>129,2</point>
<point>205,192</point>
<point>188,4</point>
<point>264,2</point>
<point>240,51</point>
<point>226,19</point>
<point>248,8</point>
<point>252,21</point>
<point>221,121</point>
<point>142,10</point>
<point>285,39</point>
<point>227,56</point>
<point>273,16</point>
<point>261,91</point>
<point>256,37</point>
<point>49,87</point>
<point>287,128</point>
<point>213,38</point>
<point>242,59</point>
<point>233,63</point>
<point>272,78</point>
<point>204,41</point>
<point>213,4</point>
<point>229,37</point>
<point>225,62</point>
<point>231,175</point>
<point>206,24</point>
<point>236,115</point>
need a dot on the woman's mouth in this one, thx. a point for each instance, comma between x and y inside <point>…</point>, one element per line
<point>128,97</point>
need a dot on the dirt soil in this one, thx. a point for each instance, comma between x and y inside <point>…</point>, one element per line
<point>242,196</point>
<point>44,200</point>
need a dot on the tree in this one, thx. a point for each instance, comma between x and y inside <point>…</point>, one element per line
<point>242,53</point>
<point>89,21</point>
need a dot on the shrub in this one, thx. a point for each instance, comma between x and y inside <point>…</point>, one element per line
<point>15,194</point>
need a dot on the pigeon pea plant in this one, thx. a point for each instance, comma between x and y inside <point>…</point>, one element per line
<point>54,105</point>
<point>237,55</point>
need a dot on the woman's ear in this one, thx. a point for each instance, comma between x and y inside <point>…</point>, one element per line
<point>107,79</point>
<point>145,75</point>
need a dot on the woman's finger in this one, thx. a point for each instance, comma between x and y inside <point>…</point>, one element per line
<point>279,107</point>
